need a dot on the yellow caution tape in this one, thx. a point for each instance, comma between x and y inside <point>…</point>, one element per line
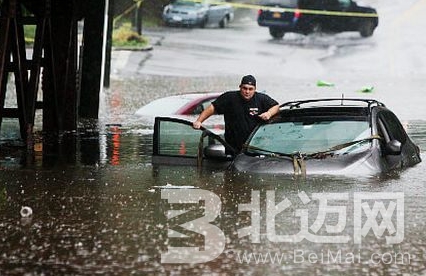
<point>278,9</point>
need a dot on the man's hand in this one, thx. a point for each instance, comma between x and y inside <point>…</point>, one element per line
<point>270,113</point>
<point>265,115</point>
<point>196,124</point>
<point>203,116</point>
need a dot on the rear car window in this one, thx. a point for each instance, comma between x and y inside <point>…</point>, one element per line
<point>282,3</point>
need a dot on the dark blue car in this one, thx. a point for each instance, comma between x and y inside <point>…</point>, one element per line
<point>313,16</point>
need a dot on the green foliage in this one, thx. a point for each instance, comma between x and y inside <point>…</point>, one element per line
<point>29,32</point>
<point>124,36</point>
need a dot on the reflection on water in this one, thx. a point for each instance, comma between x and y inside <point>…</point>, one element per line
<point>95,211</point>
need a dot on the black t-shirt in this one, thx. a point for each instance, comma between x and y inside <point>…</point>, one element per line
<point>241,116</point>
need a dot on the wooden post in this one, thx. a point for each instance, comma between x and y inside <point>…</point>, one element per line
<point>92,59</point>
<point>54,50</point>
<point>12,43</point>
<point>59,74</point>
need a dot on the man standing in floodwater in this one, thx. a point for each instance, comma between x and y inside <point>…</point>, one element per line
<point>242,109</point>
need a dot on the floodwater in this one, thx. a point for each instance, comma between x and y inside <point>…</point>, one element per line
<point>98,207</point>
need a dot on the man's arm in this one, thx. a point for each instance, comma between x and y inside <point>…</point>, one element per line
<point>209,111</point>
<point>270,113</point>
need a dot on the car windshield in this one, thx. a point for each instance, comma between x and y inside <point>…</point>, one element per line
<point>187,3</point>
<point>308,137</point>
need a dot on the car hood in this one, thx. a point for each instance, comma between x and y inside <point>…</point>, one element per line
<point>360,163</point>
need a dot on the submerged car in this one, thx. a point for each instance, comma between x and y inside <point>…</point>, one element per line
<point>186,106</point>
<point>198,13</point>
<point>183,104</point>
<point>341,138</point>
<point>318,136</point>
<point>315,16</point>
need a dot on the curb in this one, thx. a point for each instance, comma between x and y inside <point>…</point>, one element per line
<point>146,48</point>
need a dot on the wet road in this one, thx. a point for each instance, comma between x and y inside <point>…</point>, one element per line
<point>97,202</point>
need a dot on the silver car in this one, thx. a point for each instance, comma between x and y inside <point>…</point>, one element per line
<point>190,13</point>
<point>336,136</point>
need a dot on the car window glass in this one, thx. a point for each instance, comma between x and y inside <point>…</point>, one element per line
<point>328,4</point>
<point>308,137</point>
<point>382,131</point>
<point>187,3</point>
<point>173,138</point>
<point>283,3</point>
<point>393,126</point>
<point>331,4</point>
<point>207,103</point>
<point>176,139</point>
<point>201,106</point>
<point>344,3</point>
<point>198,109</point>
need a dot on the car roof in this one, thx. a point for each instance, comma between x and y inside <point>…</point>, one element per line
<point>330,107</point>
<point>332,103</point>
<point>196,95</point>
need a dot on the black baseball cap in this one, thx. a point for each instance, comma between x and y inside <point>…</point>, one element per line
<point>248,79</point>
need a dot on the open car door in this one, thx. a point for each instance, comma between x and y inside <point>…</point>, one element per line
<point>176,142</point>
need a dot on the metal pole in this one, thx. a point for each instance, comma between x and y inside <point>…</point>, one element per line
<point>109,44</point>
<point>104,46</point>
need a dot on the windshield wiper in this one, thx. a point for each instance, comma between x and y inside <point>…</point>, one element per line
<point>330,151</point>
<point>299,165</point>
<point>318,154</point>
<point>271,153</point>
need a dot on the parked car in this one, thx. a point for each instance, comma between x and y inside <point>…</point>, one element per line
<point>190,13</point>
<point>313,16</point>
<point>318,136</point>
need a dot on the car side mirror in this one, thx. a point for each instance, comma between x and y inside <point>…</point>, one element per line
<point>393,147</point>
<point>216,151</point>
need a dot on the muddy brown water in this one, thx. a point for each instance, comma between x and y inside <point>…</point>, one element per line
<point>98,208</point>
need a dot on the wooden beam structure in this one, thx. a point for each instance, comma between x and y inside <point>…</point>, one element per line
<point>59,73</point>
